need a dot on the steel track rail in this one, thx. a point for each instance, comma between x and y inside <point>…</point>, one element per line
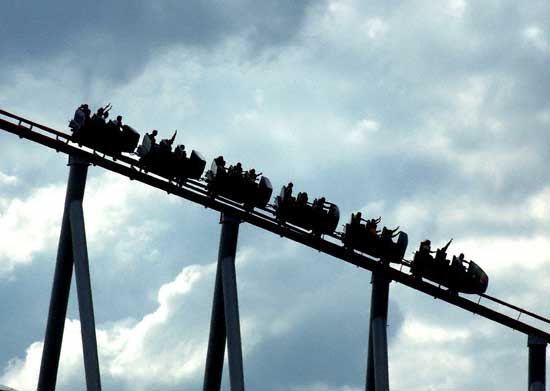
<point>127,166</point>
<point>511,306</point>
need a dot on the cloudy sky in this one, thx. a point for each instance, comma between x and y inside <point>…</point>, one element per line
<point>433,115</point>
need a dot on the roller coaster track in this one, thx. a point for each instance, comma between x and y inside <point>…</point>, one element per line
<point>195,191</point>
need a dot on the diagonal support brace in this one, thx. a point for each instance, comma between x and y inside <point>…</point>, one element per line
<point>225,324</point>
<point>71,250</point>
<point>84,292</point>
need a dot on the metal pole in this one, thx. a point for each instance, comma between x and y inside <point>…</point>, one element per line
<point>84,291</point>
<point>225,314</point>
<point>216,341</point>
<point>377,361</point>
<point>61,281</point>
<point>369,383</point>
<point>231,303</point>
<point>537,363</point>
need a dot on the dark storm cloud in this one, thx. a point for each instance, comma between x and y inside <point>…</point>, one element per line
<point>117,38</point>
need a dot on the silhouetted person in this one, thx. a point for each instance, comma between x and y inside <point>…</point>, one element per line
<point>166,144</point>
<point>106,110</point>
<point>288,191</point>
<point>302,198</point>
<point>87,111</point>
<point>118,121</point>
<point>236,170</point>
<point>79,118</point>
<point>461,262</point>
<point>425,248</point>
<point>456,264</point>
<point>318,204</point>
<point>180,151</point>
<point>372,227</point>
<point>420,258</point>
<point>220,162</point>
<point>152,136</point>
<point>441,253</point>
<point>251,175</point>
<point>171,139</point>
<point>99,115</point>
<point>356,220</point>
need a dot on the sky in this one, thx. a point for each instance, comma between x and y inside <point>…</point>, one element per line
<point>433,115</point>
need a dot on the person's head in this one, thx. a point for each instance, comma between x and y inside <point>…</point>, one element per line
<point>155,133</point>
<point>461,256</point>
<point>119,118</point>
<point>100,111</point>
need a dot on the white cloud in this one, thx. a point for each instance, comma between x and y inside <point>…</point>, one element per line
<point>31,225</point>
<point>375,28</point>
<point>126,351</point>
<point>456,8</point>
<point>539,206</point>
<point>536,36</point>
<point>430,352</point>
<point>417,332</point>
<point>174,335</point>
<point>6,180</point>
<point>500,255</point>
<point>22,374</point>
<point>360,134</point>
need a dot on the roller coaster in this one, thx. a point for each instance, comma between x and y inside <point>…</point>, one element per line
<point>311,224</point>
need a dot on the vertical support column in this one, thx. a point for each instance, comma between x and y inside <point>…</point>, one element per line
<point>216,341</point>
<point>62,280</point>
<point>225,321</point>
<point>84,292</point>
<point>537,363</point>
<point>377,361</point>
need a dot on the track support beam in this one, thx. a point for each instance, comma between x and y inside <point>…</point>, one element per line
<point>377,361</point>
<point>224,323</point>
<point>71,250</point>
<point>537,363</point>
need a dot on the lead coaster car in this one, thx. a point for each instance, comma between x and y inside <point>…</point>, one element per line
<point>468,278</point>
<point>104,137</point>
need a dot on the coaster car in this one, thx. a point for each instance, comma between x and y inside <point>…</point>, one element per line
<point>173,165</point>
<point>366,238</point>
<point>238,185</point>
<point>111,137</point>
<point>320,217</point>
<point>458,275</point>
